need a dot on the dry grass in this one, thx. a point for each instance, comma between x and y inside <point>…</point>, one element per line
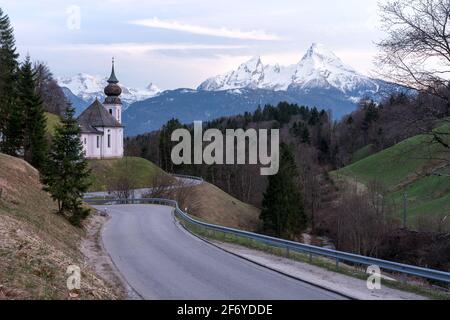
<point>36,245</point>
<point>213,205</point>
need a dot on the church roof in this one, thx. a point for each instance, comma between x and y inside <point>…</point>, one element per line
<point>96,116</point>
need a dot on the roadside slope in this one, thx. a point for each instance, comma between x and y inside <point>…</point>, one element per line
<point>211,204</point>
<point>36,245</point>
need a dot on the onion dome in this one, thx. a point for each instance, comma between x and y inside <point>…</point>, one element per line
<point>113,90</point>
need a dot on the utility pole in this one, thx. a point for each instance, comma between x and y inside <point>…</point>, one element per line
<point>405,208</point>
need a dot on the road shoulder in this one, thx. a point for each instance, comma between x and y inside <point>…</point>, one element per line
<point>333,281</point>
<point>98,258</point>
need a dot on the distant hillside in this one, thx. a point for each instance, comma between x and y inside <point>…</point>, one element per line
<point>141,172</point>
<point>36,245</point>
<point>414,166</point>
<point>189,105</point>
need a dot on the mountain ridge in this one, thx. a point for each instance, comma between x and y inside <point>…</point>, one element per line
<point>88,87</point>
<point>320,79</point>
<point>318,68</point>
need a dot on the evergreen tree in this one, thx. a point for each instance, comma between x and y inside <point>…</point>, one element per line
<point>13,133</point>
<point>66,173</point>
<point>305,136</point>
<point>257,115</point>
<point>166,144</point>
<point>8,73</point>
<point>35,143</point>
<point>283,214</point>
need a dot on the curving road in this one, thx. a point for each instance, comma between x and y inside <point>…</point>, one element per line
<point>160,260</point>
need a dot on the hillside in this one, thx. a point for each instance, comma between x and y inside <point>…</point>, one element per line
<point>52,121</point>
<point>410,166</point>
<point>211,204</point>
<point>140,170</point>
<point>36,245</point>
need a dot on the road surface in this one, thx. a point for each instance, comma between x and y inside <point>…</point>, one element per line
<point>160,260</point>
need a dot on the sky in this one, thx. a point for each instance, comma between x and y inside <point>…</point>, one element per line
<point>181,43</point>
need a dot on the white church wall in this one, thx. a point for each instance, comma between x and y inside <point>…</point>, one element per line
<point>105,149</point>
<point>89,142</point>
<point>113,148</point>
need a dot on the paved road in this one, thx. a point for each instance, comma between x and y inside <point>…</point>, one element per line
<point>160,260</point>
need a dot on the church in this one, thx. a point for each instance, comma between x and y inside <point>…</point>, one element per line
<point>101,124</point>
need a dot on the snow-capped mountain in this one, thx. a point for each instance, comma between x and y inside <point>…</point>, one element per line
<point>88,87</point>
<point>319,79</point>
<point>319,68</point>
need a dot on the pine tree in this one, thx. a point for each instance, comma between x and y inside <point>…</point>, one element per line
<point>283,214</point>
<point>8,72</point>
<point>66,173</point>
<point>166,144</point>
<point>306,138</point>
<point>35,143</point>
<point>13,133</point>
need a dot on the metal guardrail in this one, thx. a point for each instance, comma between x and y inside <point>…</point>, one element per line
<point>187,177</point>
<point>290,245</point>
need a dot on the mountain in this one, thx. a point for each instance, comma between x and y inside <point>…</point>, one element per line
<point>319,68</point>
<point>82,89</point>
<point>78,103</point>
<point>189,105</point>
<point>320,79</point>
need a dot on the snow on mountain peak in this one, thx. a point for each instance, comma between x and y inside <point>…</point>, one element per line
<point>319,68</point>
<point>319,50</point>
<point>89,87</point>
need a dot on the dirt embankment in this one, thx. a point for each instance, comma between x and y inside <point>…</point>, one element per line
<point>36,245</point>
<point>213,205</point>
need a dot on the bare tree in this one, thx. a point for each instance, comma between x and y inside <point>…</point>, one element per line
<point>417,50</point>
<point>363,220</point>
<point>416,53</point>
<point>122,184</point>
<point>160,186</point>
<point>51,94</point>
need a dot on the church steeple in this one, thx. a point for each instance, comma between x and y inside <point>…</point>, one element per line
<point>113,90</point>
<point>112,77</point>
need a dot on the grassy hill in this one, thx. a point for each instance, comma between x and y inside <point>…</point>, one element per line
<point>408,167</point>
<point>205,201</point>
<point>211,204</point>
<point>140,170</point>
<point>363,153</point>
<point>36,245</point>
<point>52,122</point>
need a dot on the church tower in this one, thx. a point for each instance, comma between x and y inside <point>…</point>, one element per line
<point>112,103</point>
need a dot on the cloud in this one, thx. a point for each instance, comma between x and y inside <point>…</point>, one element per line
<point>215,32</point>
<point>140,48</point>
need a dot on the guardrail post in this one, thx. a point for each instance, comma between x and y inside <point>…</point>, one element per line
<point>310,257</point>
<point>337,263</point>
<point>287,252</point>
